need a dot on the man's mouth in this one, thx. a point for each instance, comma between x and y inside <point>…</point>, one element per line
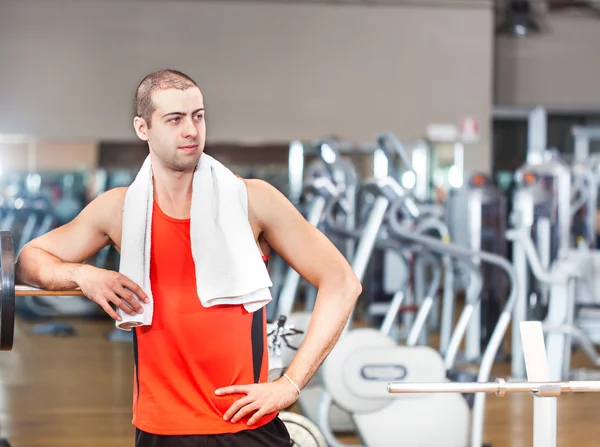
<point>189,147</point>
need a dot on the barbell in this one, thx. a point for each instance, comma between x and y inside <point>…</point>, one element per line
<point>9,290</point>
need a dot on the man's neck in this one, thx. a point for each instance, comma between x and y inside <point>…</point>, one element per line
<point>173,191</point>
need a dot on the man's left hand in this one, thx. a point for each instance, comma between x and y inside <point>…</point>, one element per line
<point>261,398</point>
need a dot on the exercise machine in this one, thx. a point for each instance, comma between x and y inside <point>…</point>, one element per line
<point>303,432</point>
<point>311,394</point>
<point>569,277</point>
<point>323,187</point>
<point>364,358</point>
<point>395,163</point>
<point>477,214</point>
<point>438,161</point>
<point>328,176</point>
<point>542,203</point>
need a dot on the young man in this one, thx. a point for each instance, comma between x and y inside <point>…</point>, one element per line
<point>195,378</point>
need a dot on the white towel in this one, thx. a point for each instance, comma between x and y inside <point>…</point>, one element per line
<point>229,266</point>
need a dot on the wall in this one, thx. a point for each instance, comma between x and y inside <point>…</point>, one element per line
<point>559,68</point>
<point>23,154</point>
<point>270,72</point>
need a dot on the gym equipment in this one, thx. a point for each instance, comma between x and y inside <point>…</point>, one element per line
<point>545,392</point>
<point>318,192</point>
<point>476,215</point>
<point>399,166</point>
<point>584,196</point>
<point>303,432</point>
<point>384,265</point>
<point>421,298</point>
<point>277,335</point>
<point>570,278</point>
<point>364,357</point>
<point>327,164</point>
<point>9,291</point>
<point>427,225</point>
<point>421,260</point>
<point>583,135</point>
<point>326,152</point>
<point>36,209</point>
<point>537,135</point>
<point>438,162</point>
<point>71,202</point>
<point>310,396</point>
<point>542,203</point>
<point>544,415</point>
<point>367,240</point>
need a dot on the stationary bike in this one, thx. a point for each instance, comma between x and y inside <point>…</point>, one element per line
<point>303,432</point>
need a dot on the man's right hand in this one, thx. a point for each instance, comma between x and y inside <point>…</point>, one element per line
<point>107,286</point>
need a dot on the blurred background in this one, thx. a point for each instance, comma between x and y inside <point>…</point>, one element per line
<point>468,87</point>
<point>276,71</point>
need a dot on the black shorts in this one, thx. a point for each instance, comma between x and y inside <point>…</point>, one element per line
<point>273,434</point>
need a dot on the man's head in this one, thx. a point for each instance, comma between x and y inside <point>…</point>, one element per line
<point>170,117</point>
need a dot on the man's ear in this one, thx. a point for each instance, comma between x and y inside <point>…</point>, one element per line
<point>141,128</point>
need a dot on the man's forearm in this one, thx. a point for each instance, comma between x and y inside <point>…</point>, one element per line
<point>39,268</point>
<point>335,301</point>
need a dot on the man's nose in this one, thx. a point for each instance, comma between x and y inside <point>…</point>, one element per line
<point>189,129</point>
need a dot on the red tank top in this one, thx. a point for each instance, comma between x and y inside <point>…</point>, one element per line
<point>189,351</point>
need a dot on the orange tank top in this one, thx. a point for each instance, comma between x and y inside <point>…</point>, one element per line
<point>189,351</point>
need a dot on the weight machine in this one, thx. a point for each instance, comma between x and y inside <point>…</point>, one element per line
<point>542,208</point>
<point>476,216</point>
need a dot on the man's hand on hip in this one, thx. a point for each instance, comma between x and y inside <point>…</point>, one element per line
<point>261,399</point>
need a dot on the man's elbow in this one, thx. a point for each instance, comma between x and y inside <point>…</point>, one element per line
<point>27,263</point>
<point>342,283</point>
<point>352,286</point>
<point>22,261</point>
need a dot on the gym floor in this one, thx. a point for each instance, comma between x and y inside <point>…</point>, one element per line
<point>76,391</point>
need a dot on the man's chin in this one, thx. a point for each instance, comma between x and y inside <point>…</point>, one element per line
<point>188,163</point>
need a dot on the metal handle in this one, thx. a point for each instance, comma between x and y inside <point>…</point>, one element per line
<point>500,387</point>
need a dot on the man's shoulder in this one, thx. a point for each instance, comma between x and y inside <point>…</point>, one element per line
<point>265,201</point>
<point>109,202</point>
<point>114,196</point>
<point>259,189</point>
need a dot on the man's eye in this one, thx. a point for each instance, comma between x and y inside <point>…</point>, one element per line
<point>174,120</point>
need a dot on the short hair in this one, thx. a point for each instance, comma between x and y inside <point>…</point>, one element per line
<point>159,80</point>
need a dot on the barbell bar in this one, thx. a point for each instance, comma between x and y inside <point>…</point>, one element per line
<point>545,400</point>
<point>23,290</point>
<point>500,387</point>
<point>9,290</point>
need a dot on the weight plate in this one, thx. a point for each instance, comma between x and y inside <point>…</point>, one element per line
<point>7,291</point>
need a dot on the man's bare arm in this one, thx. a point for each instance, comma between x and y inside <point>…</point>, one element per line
<point>54,260</point>
<point>315,258</point>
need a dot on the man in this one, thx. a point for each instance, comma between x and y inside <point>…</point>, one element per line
<point>193,368</point>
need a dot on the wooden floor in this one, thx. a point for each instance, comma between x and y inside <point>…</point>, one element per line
<point>76,391</point>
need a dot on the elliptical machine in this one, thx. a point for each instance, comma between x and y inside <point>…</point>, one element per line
<point>331,178</point>
<point>364,360</point>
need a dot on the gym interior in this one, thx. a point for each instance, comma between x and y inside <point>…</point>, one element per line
<point>448,148</point>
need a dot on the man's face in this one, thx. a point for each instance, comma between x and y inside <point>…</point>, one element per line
<point>178,131</point>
